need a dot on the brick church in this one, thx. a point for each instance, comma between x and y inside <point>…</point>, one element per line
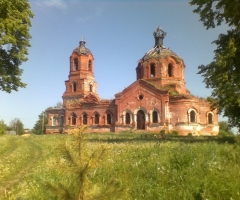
<point>157,100</point>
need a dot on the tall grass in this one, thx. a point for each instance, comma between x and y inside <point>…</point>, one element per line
<point>122,166</point>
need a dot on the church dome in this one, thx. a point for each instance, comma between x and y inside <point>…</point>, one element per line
<point>81,49</point>
<point>160,52</point>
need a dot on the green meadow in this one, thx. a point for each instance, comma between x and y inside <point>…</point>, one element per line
<point>115,166</point>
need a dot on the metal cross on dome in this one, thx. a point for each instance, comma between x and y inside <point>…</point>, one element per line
<point>159,33</point>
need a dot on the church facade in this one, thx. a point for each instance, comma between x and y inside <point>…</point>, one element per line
<point>157,100</point>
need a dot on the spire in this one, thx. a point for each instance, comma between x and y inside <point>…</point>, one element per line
<point>159,34</point>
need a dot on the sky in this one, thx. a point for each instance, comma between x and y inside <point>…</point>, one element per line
<point>118,33</point>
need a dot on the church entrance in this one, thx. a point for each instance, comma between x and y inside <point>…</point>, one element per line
<point>140,120</point>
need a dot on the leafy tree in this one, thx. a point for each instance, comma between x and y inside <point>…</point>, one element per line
<point>3,127</point>
<point>40,126</point>
<point>58,105</point>
<point>14,40</point>
<point>17,125</point>
<point>224,128</point>
<point>222,74</point>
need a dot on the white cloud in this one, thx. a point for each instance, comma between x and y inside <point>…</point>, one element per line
<point>60,4</point>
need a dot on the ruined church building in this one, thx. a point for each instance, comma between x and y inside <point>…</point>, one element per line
<point>157,100</point>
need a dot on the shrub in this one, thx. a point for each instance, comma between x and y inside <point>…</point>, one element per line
<point>174,133</point>
<point>190,134</point>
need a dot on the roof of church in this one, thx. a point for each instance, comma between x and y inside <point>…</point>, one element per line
<point>81,49</point>
<point>160,52</point>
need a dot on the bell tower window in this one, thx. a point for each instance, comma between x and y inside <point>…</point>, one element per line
<point>152,70</point>
<point>90,65</point>
<point>90,87</point>
<point>170,70</point>
<point>75,64</point>
<point>74,87</point>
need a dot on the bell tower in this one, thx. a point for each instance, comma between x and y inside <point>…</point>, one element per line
<point>80,81</point>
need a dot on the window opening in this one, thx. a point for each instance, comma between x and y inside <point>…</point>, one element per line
<point>152,70</point>
<point>170,70</point>
<point>61,120</point>
<point>74,119</point>
<point>140,96</point>
<point>54,121</point>
<point>109,119</point>
<point>90,87</point>
<point>85,119</point>
<point>75,64</point>
<point>127,118</point>
<point>210,118</point>
<point>192,117</point>
<point>74,87</point>
<point>90,65</point>
<point>155,117</point>
<point>96,118</point>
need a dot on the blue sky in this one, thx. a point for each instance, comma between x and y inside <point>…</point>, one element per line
<point>118,33</point>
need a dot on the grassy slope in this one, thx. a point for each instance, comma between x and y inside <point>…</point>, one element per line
<point>133,167</point>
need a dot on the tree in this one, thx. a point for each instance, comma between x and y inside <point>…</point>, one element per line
<point>224,128</point>
<point>222,74</point>
<point>3,127</point>
<point>40,126</point>
<point>17,125</point>
<point>58,105</point>
<point>14,40</point>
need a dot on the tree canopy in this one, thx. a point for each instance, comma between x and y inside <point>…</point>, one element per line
<point>224,128</point>
<point>15,21</point>
<point>222,74</point>
<point>40,126</point>
<point>16,125</point>
<point>3,127</point>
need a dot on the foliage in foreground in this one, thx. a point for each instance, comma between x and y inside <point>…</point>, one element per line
<point>14,40</point>
<point>132,167</point>
<point>222,74</point>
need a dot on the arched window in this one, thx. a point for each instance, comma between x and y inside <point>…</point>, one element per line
<point>61,120</point>
<point>90,87</point>
<point>54,120</point>
<point>152,70</point>
<point>74,119</point>
<point>128,118</point>
<point>170,70</point>
<point>96,118</point>
<point>109,118</point>
<point>192,116</point>
<point>74,87</point>
<point>85,119</point>
<point>155,117</point>
<point>75,64</point>
<point>210,118</point>
<point>90,65</point>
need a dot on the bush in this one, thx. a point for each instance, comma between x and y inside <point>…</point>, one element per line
<point>174,133</point>
<point>223,133</point>
<point>190,134</point>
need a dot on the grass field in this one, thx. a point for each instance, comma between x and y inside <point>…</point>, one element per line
<point>119,166</point>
